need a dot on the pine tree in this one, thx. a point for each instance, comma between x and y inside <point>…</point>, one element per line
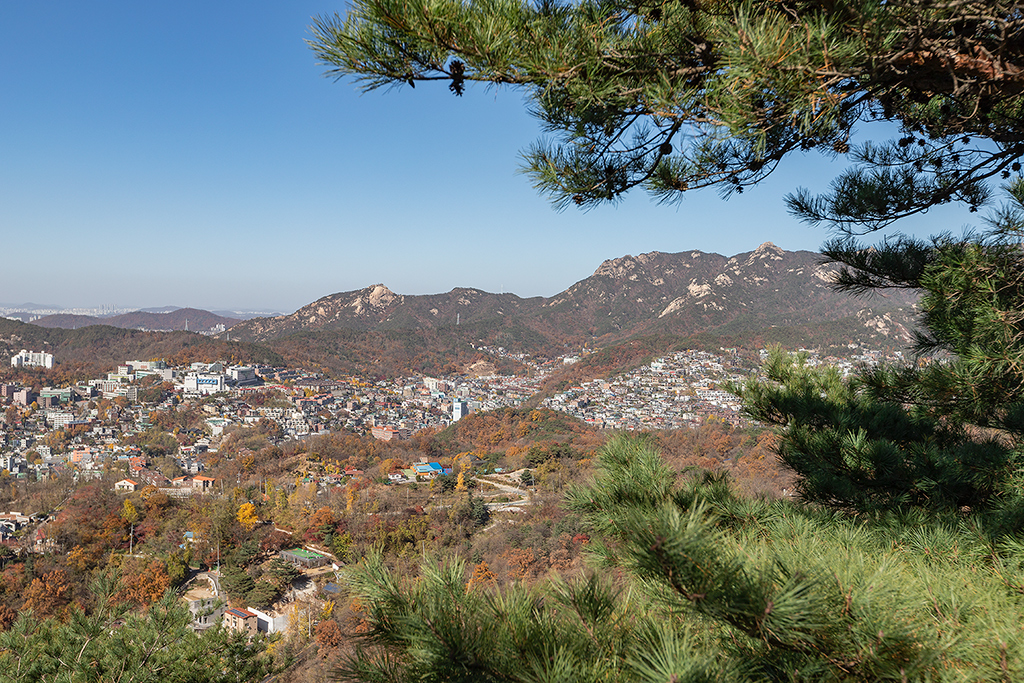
<point>944,431</point>
<point>674,96</point>
<point>115,643</point>
<point>700,585</point>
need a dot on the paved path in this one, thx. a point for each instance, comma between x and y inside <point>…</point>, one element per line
<point>507,506</point>
<point>214,580</point>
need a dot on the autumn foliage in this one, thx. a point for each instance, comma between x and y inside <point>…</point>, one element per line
<point>328,636</point>
<point>142,582</point>
<point>47,595</point>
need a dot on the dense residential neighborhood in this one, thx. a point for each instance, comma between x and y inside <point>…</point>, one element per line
<point>87,428</point>
<point>680,390</point>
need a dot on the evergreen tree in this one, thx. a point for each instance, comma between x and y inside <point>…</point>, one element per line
<point>944,430</point>
<point>115,643</point>
<point>711,587</point>
<point>678,95</point>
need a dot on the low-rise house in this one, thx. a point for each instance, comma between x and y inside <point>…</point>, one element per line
<point>205,605</point>
<point>10,522</point>
<point>42,542</point>
<point>429,469</point>
<point>151,478</point>
<point>217,425</point>
<point>240,620</point>
<point>203,483</point>
<point>126,486</point>
<point>269,621</point>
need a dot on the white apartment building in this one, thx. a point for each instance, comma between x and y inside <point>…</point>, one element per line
<point>27,359</point>
<point>59,419</point>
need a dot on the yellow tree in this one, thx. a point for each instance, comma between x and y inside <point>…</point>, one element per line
<point>247,516</point>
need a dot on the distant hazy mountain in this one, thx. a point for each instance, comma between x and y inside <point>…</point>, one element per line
<point>29,306</point>
<point>193,319</point>
<point>656,293</point>
<point>160,309</point>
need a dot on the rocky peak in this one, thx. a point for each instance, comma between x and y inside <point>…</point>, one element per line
<point>379,295</point>
<point>649,257</point>
<point>373,297</point>
<point>626,266</point>
<point>617,268</point>
<point>769,251</point>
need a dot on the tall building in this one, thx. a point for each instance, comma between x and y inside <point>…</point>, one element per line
<point>27,359</point>
<point>24,397</point>
<point>460,409</point>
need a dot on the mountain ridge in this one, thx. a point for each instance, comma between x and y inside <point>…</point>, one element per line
<point>682,293</point>
<point>178,319</point>
<point>643,304</point>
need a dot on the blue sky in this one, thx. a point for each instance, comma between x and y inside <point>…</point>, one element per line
<point>193,154</point>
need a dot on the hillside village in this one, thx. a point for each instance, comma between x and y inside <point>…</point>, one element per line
<point>87,428</point>
<point>680,390</point>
